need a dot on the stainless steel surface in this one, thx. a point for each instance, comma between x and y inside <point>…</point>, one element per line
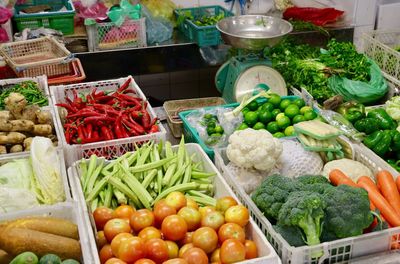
<point>253,32</point>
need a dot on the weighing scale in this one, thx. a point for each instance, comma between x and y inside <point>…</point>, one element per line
<point>249,73</point>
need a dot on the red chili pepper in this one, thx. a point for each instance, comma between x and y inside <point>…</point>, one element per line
<point>154,129</point>
<point>89,130</point>
<point>86,113</point>
<point>128,98</point>
<point>132,124</point>
<point>81,135</point>
<point>75,94</point>
<point>136,114</point>
<point>106,108</point>
<point>103,99</point>
<point>146,122</point>
<point>136,108</point>
<point>99,94</point>
<point>99,118</point>
<point>124,86</point>
<point>107,133</point>
<point>118,128</point>
<point>130,90</point>
<point>69,107</point>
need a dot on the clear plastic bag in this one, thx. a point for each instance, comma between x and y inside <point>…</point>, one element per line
<point>157,29</point>
<point>163,9</point>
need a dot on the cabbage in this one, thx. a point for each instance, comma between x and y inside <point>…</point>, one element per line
<point>12,199</point>
<point>16,174</point>
<point>393,107</point>
<point>46,179</point>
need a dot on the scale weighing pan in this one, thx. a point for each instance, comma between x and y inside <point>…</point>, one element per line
<point>253,32</point>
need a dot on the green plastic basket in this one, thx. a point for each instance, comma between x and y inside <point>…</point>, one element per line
<point>206,35</point>
<point>59,20</point>
<point>191,134</point>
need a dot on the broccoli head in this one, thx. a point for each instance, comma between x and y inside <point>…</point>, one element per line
<point>347,212</point>
<point>312,179</point>
<point>314,183</point>
<point>291,234</point>
<point>305,210</point>
<point>272,193</point>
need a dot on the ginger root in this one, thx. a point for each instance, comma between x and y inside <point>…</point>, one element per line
<point>16,125</point>
<point>16,148</point>
<point>42,130</point>
<point>43,117</point>
<point>12,138</point>
<point>27,143</point>
<point>16,103</point>
<point>5,115</point>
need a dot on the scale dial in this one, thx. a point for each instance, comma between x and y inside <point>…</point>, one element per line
<point>257,78</point>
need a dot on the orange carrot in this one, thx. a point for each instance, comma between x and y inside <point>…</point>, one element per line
<point>380,202</point>
<point>337,177</point>
<point>369,181</point>
<point>389,189</point>
<point>398,183</point>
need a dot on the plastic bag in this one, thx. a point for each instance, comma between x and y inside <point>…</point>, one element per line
<point>98,11</point>
<point>157,29</point>
<point>361,92</point>
<point>163,9</point>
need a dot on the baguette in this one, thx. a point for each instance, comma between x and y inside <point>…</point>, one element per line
<point>18,240</point>
<point>51,225</point>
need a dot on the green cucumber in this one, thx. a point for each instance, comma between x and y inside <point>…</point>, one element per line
<point>70,261</point>
<point>25,258</point>
<point>50,259</point>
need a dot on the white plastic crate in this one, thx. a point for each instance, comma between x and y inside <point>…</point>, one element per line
<point>68,211</point>
<point>111,148</point>
<point>379,45</point>
<point>338,251</point>
<point>108,36</point>
<point>265,250</point>
<point>40,80</point>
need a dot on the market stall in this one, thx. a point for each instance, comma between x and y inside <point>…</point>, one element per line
<point>297,160</point>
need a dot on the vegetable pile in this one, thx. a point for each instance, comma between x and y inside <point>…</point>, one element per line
<point>177,230</point>
<point>144,177</point>
<point>28,182</point>
<point>29,89</point>
<point>100,116</point>
<point>21,122</point>
<point>48,238</point>
<point>201,21</point>
<point>213,128</point>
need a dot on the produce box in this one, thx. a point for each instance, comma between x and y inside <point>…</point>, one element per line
<point>76,74</point>
<point>265,250</point>
<point>172,108</point>
<point>61,20</point>
<point>110,148</point>
<point>383,46</point>
<point>68,211</point>
<point>202,35</point>
<point>337,251</point>
<point>40,80</point>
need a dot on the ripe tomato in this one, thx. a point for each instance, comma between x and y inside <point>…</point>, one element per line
<point>176,200</point>
<point>251,249</point>
<point>237,214</point>
<point>132,249</point>
<point>144,261</point>
<point>231,230</point>
<point>191,203</point>
<point>105,253</point>
<point>213,219</point>
<point>195,256</point>
<point>224,203</point>
<point>232,251</point>
<point>101,239</point>
<point>191,216</point>
<point>187,239</point>
<point>141,218</point>
<point>114,227</point>
<point>215,256</point>
<point>176,261</point>
<point>123,212</point>
<point>161,211</point>
<point>101,216</point>
<point>115,261</point>
<point>184,248</point>
<point>174,227</point>
<point>173,249</point>
<point>116,242</point>
<point>205,238</point>
<point>149,232</point>
<point>206,209</point>
<point>157,250</point>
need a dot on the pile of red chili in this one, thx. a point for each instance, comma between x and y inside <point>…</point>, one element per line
<point>99,116</point>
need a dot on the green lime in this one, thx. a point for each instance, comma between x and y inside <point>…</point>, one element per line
<point>215,135</point>
<point>265,117</point>
<point>279,116</point>
<point>273,127</point>
<point>275,112</point>
<point>284,103</point>
<point>259,126</point>
<point>211,124</point>
<point>253,106</point>
<point>210,130</point>
<point>275,99</point>
<point>305,109</point>
<point>251,118</point>
<point>292,110</point>
<point>310,115</point>
<point>245,110</point>
<point>283,122</point>
<point>208,116</point>
<point>298,119</point>
<point>267,106</point>
<point>242,126</point>
<point>289,131</point>
<point>299,102</point>
<point>219,129</point>
<point>279,135</point>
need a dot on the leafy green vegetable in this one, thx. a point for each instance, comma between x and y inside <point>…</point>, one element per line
<point>201,21</point>
<point>299,25</point>
<point>29,89</point>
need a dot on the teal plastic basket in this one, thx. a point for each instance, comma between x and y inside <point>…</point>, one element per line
<point>205,35</point>
<point>191,134</point>
<point>55,19</point>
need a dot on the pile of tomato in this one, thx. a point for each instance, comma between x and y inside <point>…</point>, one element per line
<point>177,231</point>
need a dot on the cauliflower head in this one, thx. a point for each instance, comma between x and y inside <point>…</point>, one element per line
<point>256,149</point>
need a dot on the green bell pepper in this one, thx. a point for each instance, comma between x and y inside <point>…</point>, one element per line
<point>385,121</point>
<point>395,145</point>
<point>352,111</point>
<point>367,125</point>
<point>383,146</point>
<point>372,140</point>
